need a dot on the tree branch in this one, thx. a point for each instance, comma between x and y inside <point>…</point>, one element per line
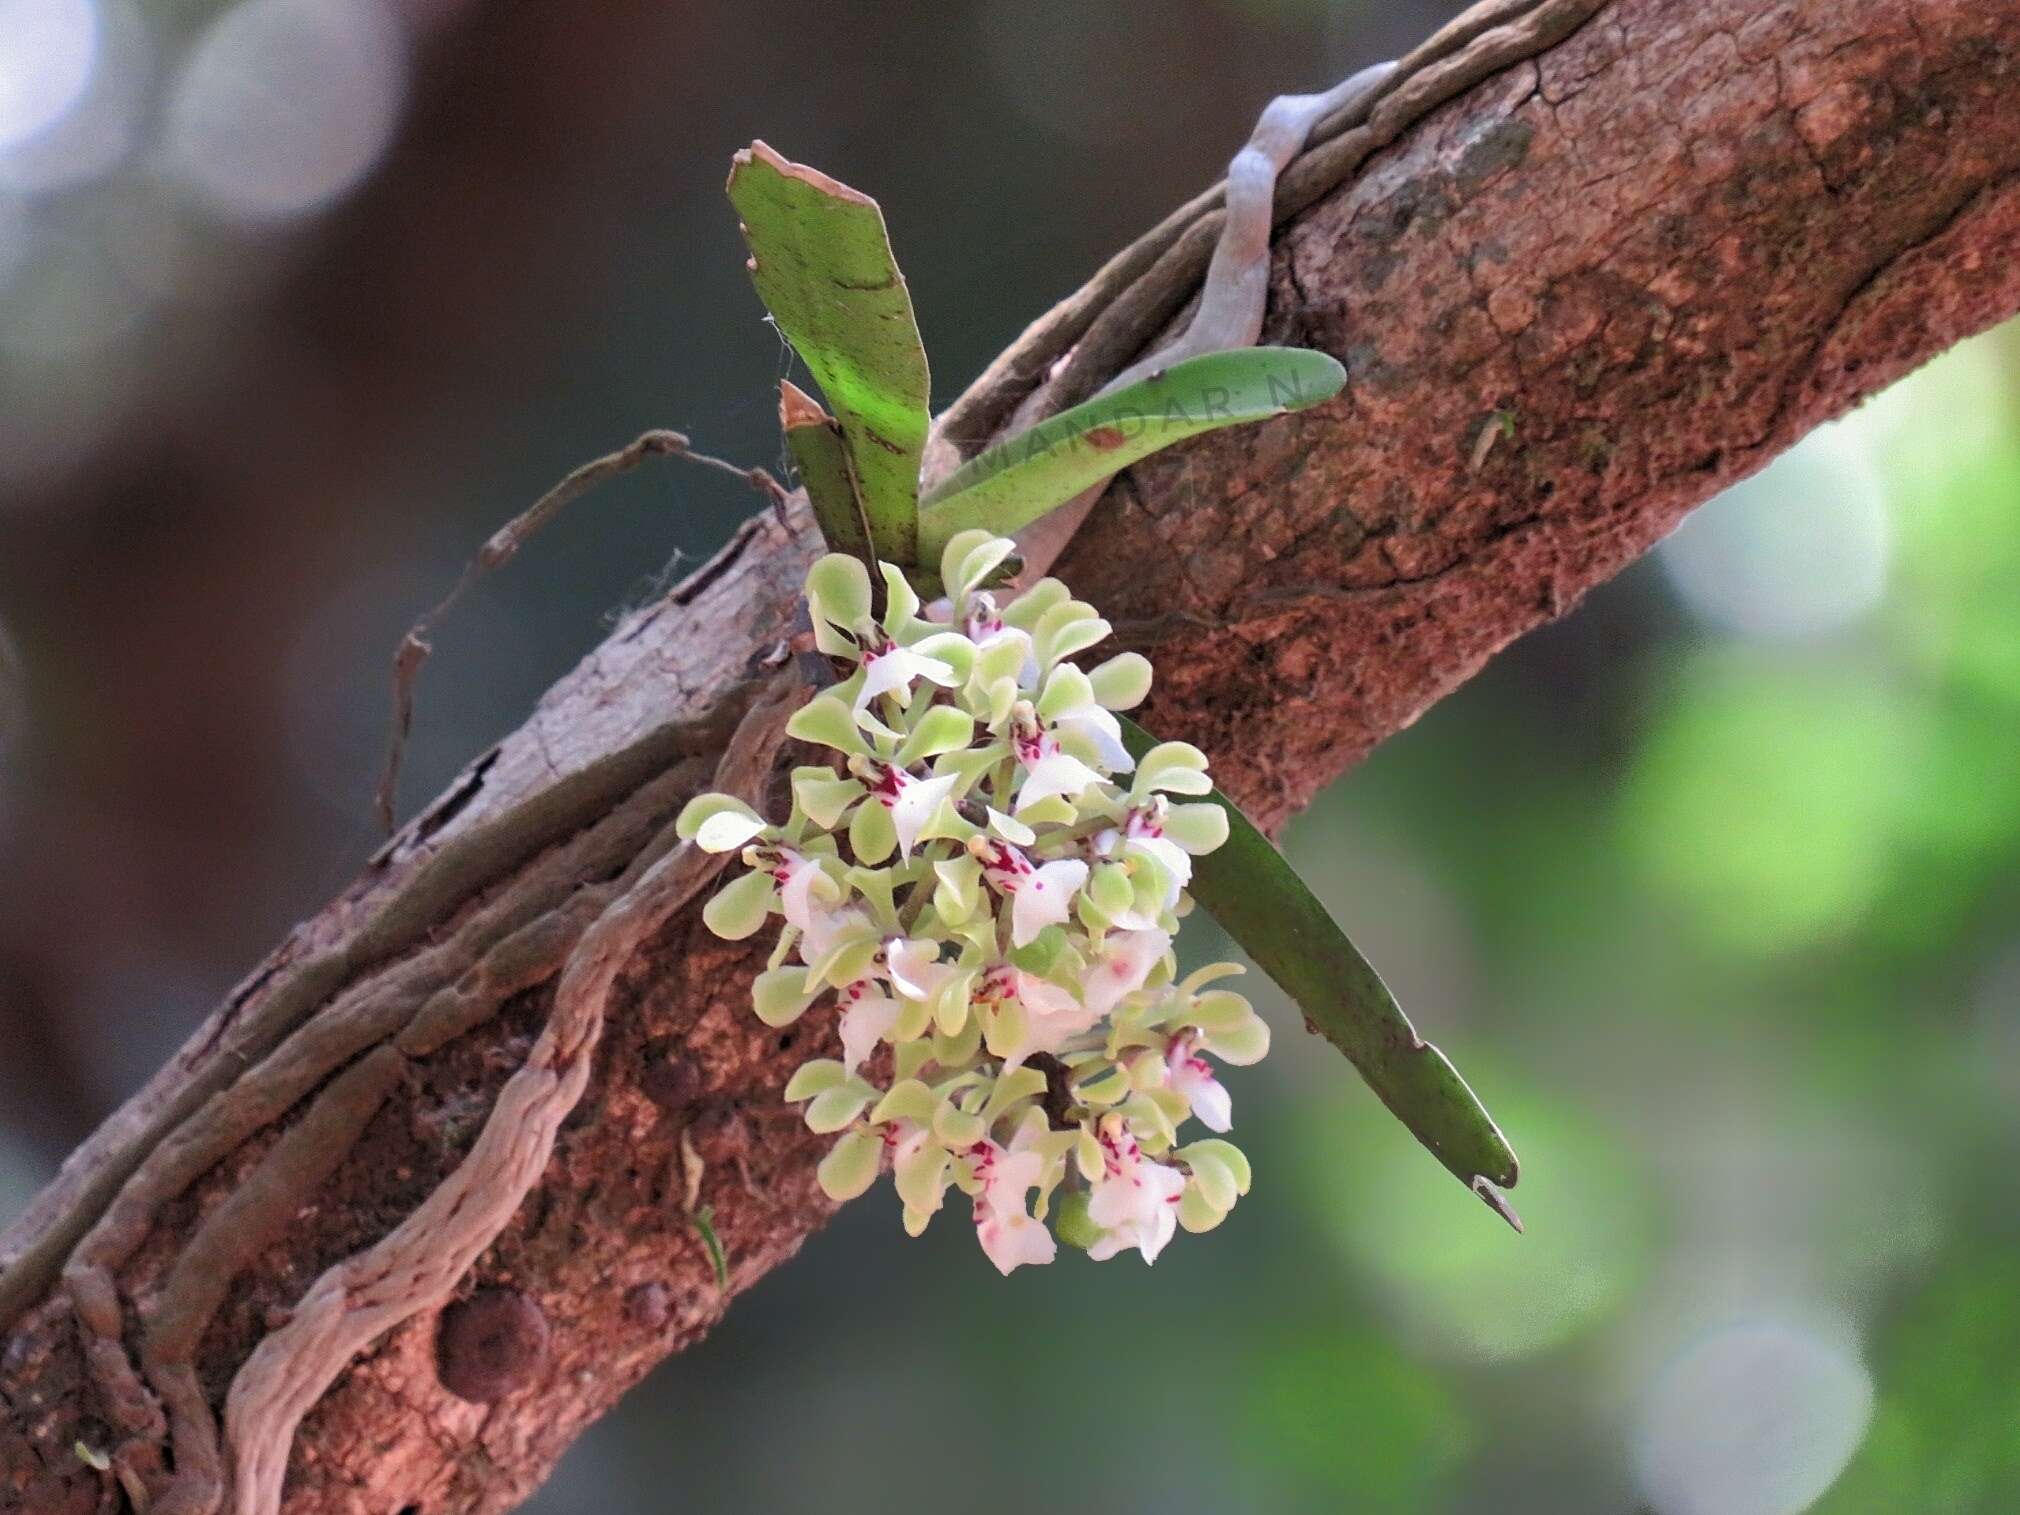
<point>1577,300</point>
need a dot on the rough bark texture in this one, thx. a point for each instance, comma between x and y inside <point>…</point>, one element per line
<point>1654,256</point>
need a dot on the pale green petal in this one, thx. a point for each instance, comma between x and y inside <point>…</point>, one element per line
<point>1241,1044</point>
<point>941,729</point>
<point>1178,767</point>
<point>1066,629</point>
<point>956,1127</point>
<point>824,797</point>
<point>1002,659</point>
<point>958,888</point>
<point>816,1077</point>
<point>850,1166</point>
<point>832,1109</point>
<point>901,604</point>
<point>1017,1084</point>
<point>872,837</point>
<point>838,590</point>
<point>1105,1090</point>
<point>1066,689</point>
<point>703,808</point>
<point>1211,1176</point>
<point>1121,683</point>
<point>1109,887</point>
<point>957,1050</point>
<point>1007,1029</point>
<point>726,831</point>
<point>780,996</point>
<point>876,885</point>
<point>1199,829</point>
<point>959,545</point>
<point>1226,1153</point>
<point>922,1180</point>
<point>950,1011</point>
<point>1219,1010</point>
<point>849,959</point>
<point>740,908</point>
<point>1195,1214</point>
<point>1088,1156</point>
<point>951,648</point>
<point>1053,810</point>
<point>915,1018</point>
<point>827,722</point>
<point>1025,611</point>
<point>908,1099</point>
<point>978,560</point>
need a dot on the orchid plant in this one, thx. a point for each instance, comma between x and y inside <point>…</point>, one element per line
<point>983,876</point>
<point>985,880</point>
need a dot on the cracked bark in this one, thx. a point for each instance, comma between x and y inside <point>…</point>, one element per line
<point>1664,249</point>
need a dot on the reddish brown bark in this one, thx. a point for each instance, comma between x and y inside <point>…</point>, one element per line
<point>1663,250</point>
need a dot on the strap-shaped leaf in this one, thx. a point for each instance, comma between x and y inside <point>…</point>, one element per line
<point>1014,483</point>
<point>1258,898</point>
<point>822,264</point>
<point>821,454</point>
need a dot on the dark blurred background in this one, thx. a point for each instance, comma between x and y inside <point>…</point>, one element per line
<point>1709,889</point>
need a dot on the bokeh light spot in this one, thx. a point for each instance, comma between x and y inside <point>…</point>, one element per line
<point>1458,1274</point>
<point>284,105</point>
<point>1800,549</point>
<point>1765,797</point>
<point>47,48</point>
<point>99,129</point>
<point>1756,1418</point>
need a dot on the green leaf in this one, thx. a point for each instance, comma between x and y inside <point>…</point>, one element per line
<point>821,454</point>
<point>822,263</point>
<point>1013,484</point>
<point>1258,898</point>
<point>703,1221</point>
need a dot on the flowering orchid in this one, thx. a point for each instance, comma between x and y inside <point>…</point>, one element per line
<point>912,802</point>
<point>990,910</point>
<point>1126,960</point>
<point>1191,1076</point>
<point>868,1014</point>
<point>1007,1232</point>
<point>1135,1200</point>
<point>1049,771</point>
<point>1041,895</point>
<point>890,669</point>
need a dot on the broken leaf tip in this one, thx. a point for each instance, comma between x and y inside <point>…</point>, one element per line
<point>761,152</point>
<point>1497,1202</point>
<point>797,408</point>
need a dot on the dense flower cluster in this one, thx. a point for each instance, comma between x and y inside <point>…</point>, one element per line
<point>986,880</point>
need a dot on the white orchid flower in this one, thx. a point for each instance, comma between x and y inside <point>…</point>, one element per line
<point>890,669</point>
<point>1003,1224</point>
<point>1135,1201</point>
<point>1191,1075</point>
